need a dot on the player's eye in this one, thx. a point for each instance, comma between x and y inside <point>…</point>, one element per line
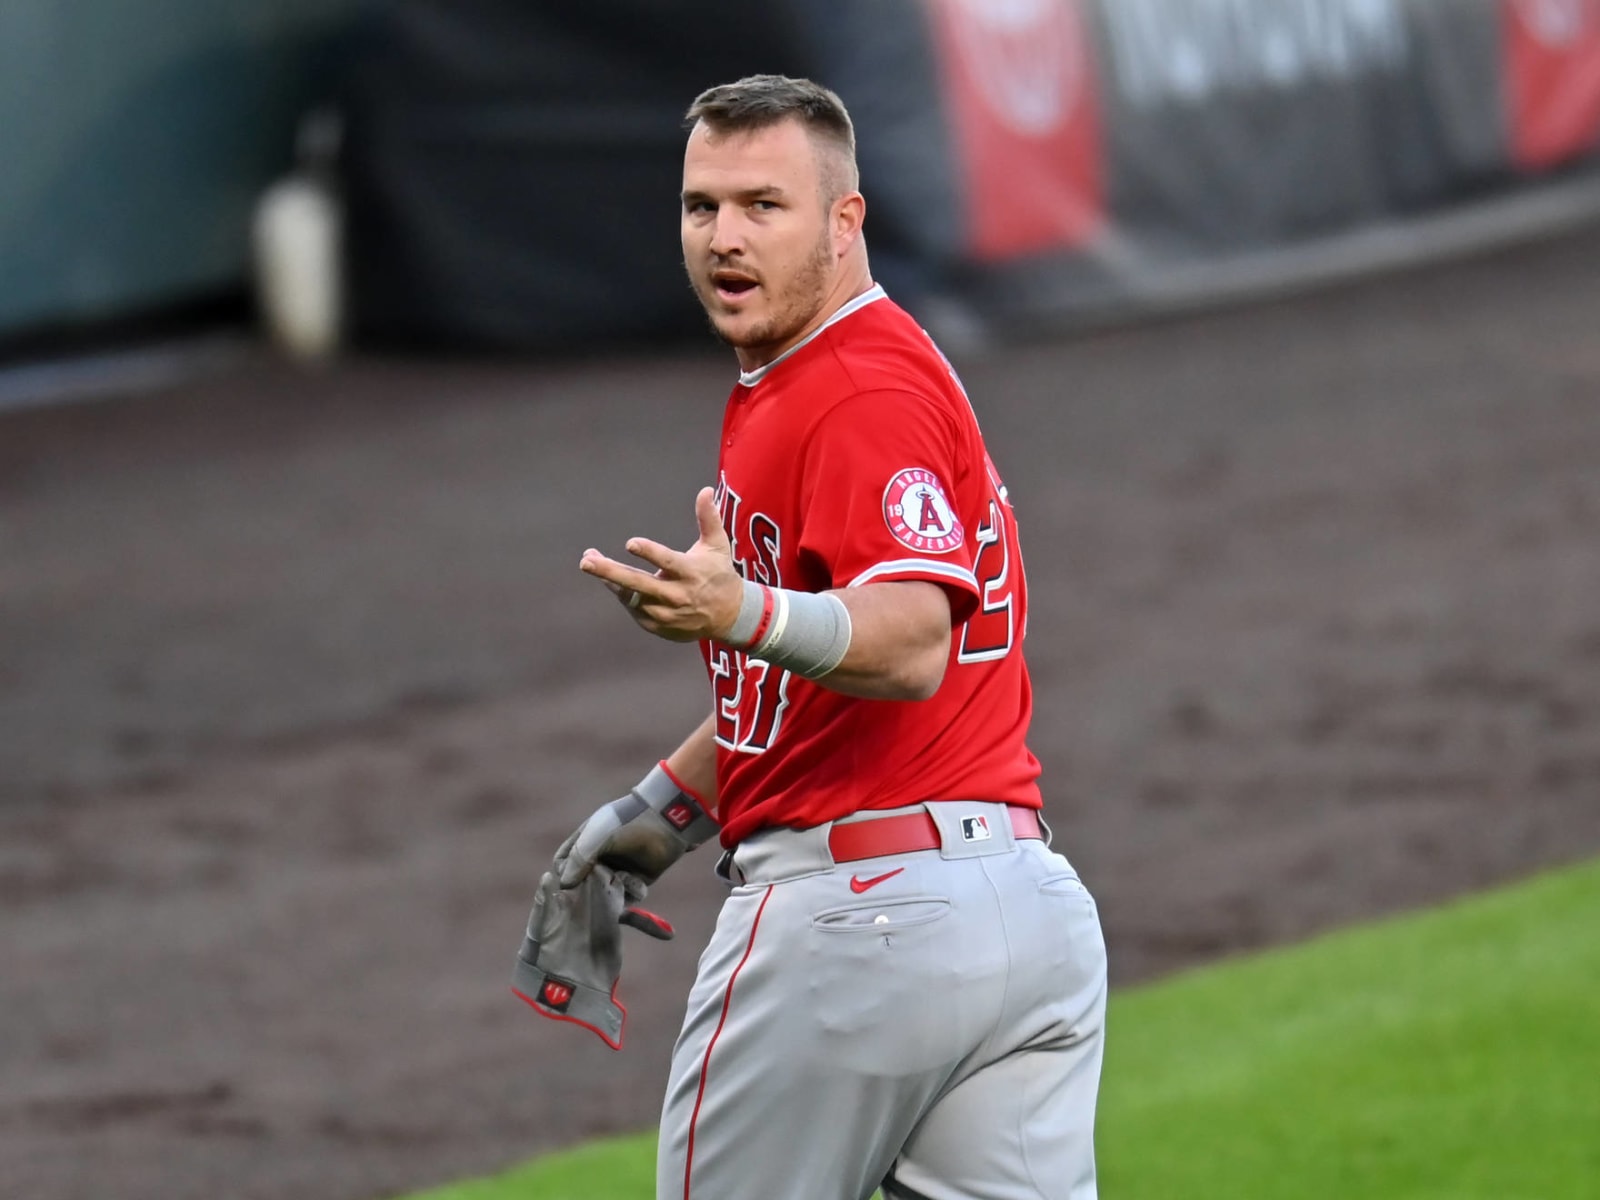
<point>765,205</point>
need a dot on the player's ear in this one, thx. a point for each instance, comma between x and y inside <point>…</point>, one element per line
<point>849,215</point>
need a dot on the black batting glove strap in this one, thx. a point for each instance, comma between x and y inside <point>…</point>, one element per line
<point>571,957</point>
<point>642,833</point>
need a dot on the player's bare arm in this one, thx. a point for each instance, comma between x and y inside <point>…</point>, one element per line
<point>900,642</point>
<point>694,763</point>
<point>891,644</point>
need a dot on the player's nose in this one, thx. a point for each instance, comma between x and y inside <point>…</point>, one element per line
<point>727,232</point>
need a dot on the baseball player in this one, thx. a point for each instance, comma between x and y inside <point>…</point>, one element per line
<point>906,986</point>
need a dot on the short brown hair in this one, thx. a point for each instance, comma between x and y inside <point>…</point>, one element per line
<point>759,101</point>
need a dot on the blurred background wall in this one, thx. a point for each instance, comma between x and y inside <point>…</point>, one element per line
<point>136,138</point>
<point>507,167</point>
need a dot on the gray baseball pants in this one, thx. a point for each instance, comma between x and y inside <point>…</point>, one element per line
<point>934,1030</point>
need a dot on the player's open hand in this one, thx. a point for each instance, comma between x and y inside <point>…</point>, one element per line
<point>692,594</point>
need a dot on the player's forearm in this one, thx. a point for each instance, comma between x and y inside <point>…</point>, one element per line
<point>882,641</point>
<point>694,764</point>
<point>899,641</point>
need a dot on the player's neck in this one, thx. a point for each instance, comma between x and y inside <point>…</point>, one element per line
<point>853,280</point>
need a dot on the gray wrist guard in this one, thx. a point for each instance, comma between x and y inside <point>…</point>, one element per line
<point>807,633</point>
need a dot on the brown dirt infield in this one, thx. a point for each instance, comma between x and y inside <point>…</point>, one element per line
<point>300,686</point>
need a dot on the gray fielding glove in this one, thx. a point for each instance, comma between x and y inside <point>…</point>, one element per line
<point>643,833</point>
<point>571,958</point>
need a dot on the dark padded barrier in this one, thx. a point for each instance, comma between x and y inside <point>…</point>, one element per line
<point>512,168</point>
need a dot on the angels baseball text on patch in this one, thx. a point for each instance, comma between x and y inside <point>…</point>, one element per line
<point>919,514</point>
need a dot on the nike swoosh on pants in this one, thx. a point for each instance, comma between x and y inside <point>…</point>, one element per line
<point>859,885</point>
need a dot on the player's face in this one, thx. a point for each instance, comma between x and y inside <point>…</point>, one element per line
<point>757,241</point>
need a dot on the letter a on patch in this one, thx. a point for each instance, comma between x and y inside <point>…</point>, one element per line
<point>919,514</point>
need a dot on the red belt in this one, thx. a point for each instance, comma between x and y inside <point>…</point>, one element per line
<point>874,838</point>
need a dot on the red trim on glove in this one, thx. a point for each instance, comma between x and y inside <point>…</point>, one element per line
<point>621,1032</point>
<point>636,918</point>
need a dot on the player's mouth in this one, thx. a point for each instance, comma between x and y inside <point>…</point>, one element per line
<point>733,286</point>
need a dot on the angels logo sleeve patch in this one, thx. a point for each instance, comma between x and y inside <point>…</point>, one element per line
<point>919,513</point>
<point>882,500</point>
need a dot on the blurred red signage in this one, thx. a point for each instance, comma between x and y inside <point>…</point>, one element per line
<point>1553,79</point>
<point>1018,80</point>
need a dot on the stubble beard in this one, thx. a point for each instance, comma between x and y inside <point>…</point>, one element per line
<point>806,294</point>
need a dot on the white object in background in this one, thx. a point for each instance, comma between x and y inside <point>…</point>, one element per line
<point>298,264</point>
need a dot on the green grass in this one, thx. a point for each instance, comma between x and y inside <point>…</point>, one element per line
<point>1448,1056</point>
<point>613,1169</point>
<point>1451,1055</point>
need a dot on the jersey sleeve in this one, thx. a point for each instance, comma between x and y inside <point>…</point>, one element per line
<point>881,500</point>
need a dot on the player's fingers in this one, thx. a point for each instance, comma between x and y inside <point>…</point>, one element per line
<point>618,575</point>
<point>710,520</point>
<point>663,558</point>
<point>628,597</point>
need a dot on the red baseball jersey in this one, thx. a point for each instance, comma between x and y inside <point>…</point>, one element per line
<point>852,459</point>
